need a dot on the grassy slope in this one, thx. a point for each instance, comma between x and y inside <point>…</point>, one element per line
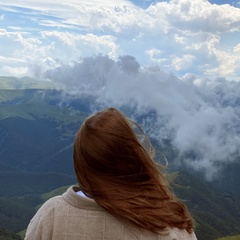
<point>214,216</point>
<point>55,192</point>
<point>32,183</point>
<point>6,235</point>
<point>8,95</point>
<point>16,212</point>
<point>237,237</point>
<point>18,207</point>
<point>42,198</point>
<point>13,83</point>
<point>28,105</point>
<point>31,115</point>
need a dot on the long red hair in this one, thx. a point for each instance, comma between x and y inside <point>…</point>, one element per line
<point>115,169</point>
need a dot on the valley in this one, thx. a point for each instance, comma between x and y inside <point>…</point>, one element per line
<point>37,129</point>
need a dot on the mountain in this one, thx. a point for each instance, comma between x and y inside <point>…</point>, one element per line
<point>36,131</point>
<point>37,128</point>
<point>215,214</point>
<point>14,83</point>
<point>5,235</point>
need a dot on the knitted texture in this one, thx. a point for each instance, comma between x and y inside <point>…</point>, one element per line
<point>73,217</point>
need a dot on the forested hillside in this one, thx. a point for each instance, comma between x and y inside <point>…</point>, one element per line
<point>37,129</point>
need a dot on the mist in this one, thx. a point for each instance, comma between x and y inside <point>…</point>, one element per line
<point>199,116</point>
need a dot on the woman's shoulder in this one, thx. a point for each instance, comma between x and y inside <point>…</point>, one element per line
<point>167,234</point>
<point>49,206</point>
<point>180,234</point>
<point>56,202</point>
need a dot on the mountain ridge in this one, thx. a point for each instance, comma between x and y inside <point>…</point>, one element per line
<point>37,129</point>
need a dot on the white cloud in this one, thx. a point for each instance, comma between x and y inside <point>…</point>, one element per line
<point>61,46</point>
<point>155,55</point>
<point>201,15</point>
<point>82,13</point>
<point>179,39</point>
<point>237,49</point>
<point>199,116</point>
<point>56,24</point>
<point>14,71</point>
<point>181,35</point>
<point>11,60</point>
<point>182,63</point>
<point>117,15</point>
<point>98,44</point>
<point>228,62</point>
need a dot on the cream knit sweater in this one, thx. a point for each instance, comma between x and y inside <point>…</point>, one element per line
<point>73,217</point>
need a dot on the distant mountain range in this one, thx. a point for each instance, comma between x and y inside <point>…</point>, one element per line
<point>37,128</point>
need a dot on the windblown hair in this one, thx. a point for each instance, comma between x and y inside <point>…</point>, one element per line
<point>115,169</point>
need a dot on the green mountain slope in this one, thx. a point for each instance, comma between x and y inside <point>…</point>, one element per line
<point>215,215</point>
<point>230,238</point>
<point>37,129</point>
<point>33,132</point>
<point>20,184</point>
<point>13,83</point>
<point>6,235</point>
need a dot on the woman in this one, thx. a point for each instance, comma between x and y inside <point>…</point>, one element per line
<point>122,193</point>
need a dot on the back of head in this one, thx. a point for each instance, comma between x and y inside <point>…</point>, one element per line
<point>107,149</point>
<point>118,172</point>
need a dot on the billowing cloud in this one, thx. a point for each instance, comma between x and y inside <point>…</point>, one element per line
<point>58,46</point>
<point>184,36</point>
<point>182,63</point>
<point>200,117</point>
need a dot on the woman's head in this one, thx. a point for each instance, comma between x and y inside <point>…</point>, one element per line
<point>115,167</point>
<point>107,148</point>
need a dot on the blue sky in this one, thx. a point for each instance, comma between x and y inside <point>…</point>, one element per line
<point>181,36</point>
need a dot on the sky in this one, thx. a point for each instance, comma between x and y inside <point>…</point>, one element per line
<point>179,59</point>
<point>181,36</point>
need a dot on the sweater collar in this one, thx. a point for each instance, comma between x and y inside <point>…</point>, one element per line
<point>72,198</point>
